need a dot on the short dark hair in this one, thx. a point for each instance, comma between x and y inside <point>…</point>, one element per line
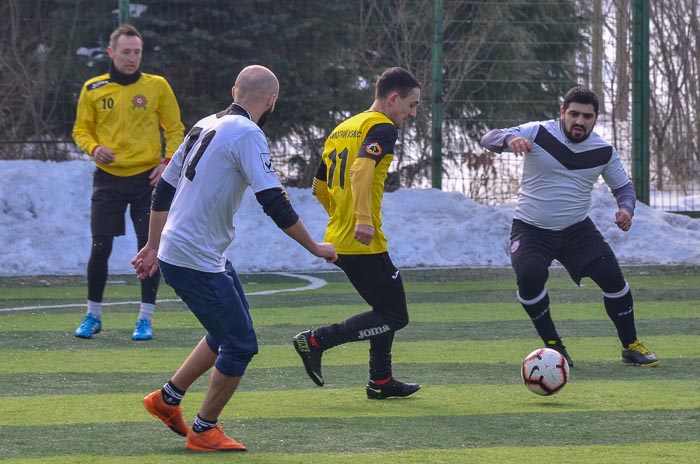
<point>583,95</point>
<point>395,79</point>
<point>124,29</point>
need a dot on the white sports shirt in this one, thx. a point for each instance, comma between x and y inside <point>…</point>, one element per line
<point>221,156</point>
<point>559,175</point>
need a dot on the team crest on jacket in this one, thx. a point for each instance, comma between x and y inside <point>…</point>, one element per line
<point>374,149</point>
<point>514,245</point>
<point>139,101</point>
<point>266,162</point>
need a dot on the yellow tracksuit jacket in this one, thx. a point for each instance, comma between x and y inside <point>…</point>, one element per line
<point>127,119</point>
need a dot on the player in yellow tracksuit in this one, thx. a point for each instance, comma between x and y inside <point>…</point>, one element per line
<point>119,119</point>
<point>350,186</point>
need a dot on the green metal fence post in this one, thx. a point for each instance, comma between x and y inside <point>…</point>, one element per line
<point>437,97</point>
<point>640,99</point>
<point>124,14</point>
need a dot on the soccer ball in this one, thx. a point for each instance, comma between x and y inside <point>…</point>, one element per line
<point>545,371</point>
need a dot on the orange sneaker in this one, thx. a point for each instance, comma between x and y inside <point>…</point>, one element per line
<point>212,440</point>
<point>170,415</point>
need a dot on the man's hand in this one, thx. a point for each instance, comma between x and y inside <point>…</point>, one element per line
<point>145,262</point>
<point>156,173</point>
<point>519,145</point>
<point>103,155</point>
<point>364,233</point>
<point>327,251</point>
<point>623,219</point>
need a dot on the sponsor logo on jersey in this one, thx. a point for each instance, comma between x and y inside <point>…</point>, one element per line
<point>266,162</point>
<point>514,245</point>
<point>98,84</point>
<point>139,101</point>
<point>366,333</point>
<point>374,149</point>
<point>345,134</point>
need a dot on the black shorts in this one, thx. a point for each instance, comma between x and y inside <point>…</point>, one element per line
<point>574,247</point>
<point>378,282</point>
<point>110,197</point>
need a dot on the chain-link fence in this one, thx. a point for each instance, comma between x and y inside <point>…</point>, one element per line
<point>487,64</point>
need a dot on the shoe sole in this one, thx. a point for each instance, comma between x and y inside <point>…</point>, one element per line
<point>86,337</point>
<point>141,339</point>
<point>373,395</point>
<point>208,450</point>
<point>635,363</point>
<point>317,379</point>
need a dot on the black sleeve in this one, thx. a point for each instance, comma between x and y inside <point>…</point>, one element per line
<point>322,172</point>
<point>162,196</point>
<point>496,140</point>
<point>277,205</point>
<point>379,142</point>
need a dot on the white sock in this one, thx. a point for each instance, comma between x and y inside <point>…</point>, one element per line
<point>147,310</point>
<point>94,308</point>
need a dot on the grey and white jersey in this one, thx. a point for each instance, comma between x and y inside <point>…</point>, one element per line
<point>558,174</point>
<point>221,156</point>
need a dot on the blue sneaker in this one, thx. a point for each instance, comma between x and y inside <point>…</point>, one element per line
<point>90,326</point>
<point>143,330</point>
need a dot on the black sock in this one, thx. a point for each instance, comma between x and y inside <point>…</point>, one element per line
<point>202,425</point>
<point>171,394</point>
<point>621,312</point>
<point>538,310</point>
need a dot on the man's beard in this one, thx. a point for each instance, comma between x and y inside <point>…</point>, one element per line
<point>265,116</point>
<point>576,138</point>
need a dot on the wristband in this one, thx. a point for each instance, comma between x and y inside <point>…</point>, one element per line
<point>166,161</point>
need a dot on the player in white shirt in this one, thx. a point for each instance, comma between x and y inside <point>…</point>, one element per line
<point>191,226</point>
<point>563,159</point>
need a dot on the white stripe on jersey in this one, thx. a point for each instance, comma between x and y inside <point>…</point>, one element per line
<point>559,175</point>
<point>230,153</point>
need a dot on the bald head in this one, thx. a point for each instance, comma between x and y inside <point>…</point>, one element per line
<point>256,89</point>
<point>256,82</point>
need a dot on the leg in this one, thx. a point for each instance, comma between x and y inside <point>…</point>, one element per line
<point>107,208</point>
<point>218,302</point>
<point>139,193</point>
<point>97,269</point>
<point>221,389</point>
<point>200,360</point>
<point>164,404</point>
<point>617,296</point>
<point>531,254</point>
<point>96,280</point>
<point>143,329</point>
<point>379,283</point>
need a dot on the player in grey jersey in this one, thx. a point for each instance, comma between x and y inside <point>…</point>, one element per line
<point>562,162</point>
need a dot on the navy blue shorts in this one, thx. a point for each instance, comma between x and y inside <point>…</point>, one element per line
<point>218,302</point>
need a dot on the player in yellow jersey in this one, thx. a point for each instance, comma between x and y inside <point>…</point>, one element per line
<point>350,185</point>
<point>119,120</point>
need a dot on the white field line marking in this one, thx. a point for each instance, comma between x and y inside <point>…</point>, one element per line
<point>313,284</point>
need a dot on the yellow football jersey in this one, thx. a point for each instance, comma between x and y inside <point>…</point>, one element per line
<point>357,155</point>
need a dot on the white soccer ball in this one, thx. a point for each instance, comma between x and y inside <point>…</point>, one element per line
<point>545,371</point>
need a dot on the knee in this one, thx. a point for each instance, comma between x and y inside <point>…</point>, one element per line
<point>399,324</point>
<point>399,319</point>
<point>233,361</point>
<point>531,282</point>
<point>101,247</point>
